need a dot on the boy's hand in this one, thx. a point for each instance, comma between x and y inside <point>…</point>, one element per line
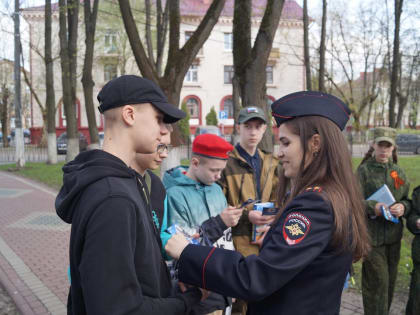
<point>175,245</point>
<point>418,224</point>
<point>256,217</point>
<point>231,215</point>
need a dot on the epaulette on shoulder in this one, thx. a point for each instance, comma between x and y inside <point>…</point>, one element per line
<point>317,189</point>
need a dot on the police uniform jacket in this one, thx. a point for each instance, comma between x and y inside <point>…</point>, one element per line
<point>297,271</point>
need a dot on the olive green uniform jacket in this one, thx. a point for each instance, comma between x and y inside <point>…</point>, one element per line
<point>238,184</point>
<point>372,176</point>
<point>413,305</point>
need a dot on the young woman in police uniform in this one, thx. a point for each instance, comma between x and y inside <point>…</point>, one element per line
<point>320,228</point>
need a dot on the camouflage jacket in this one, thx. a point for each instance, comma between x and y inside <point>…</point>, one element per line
<point>238,183</point>
<point>411,224</point>
<point>372,176</point>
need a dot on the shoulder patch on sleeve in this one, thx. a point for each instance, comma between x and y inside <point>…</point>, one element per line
<point>295,228</point>
<point>314,189</point>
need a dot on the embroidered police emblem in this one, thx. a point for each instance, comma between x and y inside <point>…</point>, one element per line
<point>295,228</point>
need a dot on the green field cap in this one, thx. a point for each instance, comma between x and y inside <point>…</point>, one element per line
<point>384,134</point>
<point>251,112</point>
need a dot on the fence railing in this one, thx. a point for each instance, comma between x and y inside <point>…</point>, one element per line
<point>32,154</point>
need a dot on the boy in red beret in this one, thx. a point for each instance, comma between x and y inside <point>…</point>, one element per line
<point>196,202</point>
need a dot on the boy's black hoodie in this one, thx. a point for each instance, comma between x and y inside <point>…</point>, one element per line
<point>115,260</point>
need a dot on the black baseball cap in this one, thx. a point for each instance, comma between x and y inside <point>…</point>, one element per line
<point>311,103</point>
<point>132,89</point>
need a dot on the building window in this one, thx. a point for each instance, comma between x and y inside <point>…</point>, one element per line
<point>188,35</point>
<point>193,107</point>
<point>227,106</point>
<point>228,41</point>
<point>269,72</point>
<point>192,74</point>
<point>110,72</point>
<point>110,45</point>
<point>228,74</point>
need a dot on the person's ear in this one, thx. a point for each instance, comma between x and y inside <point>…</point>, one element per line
<point>315,144</point>
<point>195,161</point>
<point>238,128</point>
<point>128,113</point>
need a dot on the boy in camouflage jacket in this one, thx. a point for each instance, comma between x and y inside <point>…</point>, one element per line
<point>379,271</point>
<point>413,224</point>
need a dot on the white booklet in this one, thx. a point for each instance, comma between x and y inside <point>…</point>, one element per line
<point>384,195</point>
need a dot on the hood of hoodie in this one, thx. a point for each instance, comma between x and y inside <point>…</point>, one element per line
<point>177,177</point>
<point>87,168</point>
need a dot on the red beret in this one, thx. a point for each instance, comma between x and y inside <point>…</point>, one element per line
<point>211,146</point>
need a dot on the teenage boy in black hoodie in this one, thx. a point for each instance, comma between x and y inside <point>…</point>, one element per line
<point>116,264</point>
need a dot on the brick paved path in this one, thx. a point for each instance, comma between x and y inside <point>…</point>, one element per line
<point>34,251</point>
<point>33,247</point>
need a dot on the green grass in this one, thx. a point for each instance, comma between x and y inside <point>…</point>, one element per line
<point>51,175</point>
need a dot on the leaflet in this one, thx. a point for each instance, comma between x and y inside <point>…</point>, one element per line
<point>267,208</point>
<point>384,195</point>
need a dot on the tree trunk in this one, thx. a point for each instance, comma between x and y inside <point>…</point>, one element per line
<point>67,54</point>
<point>49,88</point>
<point>19,143</point>
<point>250,62</point>
<point>306,45</point>
<point>395,63</point>
<point>179,59</point>
<point>321,78</point>
<point>5,114</point>
<point>87,80</point>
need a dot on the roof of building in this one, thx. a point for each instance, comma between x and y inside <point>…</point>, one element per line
<point>291,10</point>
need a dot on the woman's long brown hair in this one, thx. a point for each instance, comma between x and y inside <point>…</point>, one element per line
<point>331,169</point>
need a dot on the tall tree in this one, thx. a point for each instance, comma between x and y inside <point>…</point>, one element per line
<point>398,4</point>
<point>405,85</point>
<point>20,148</point>
<point>5,93</point>
<point>249,61</point>
<point>87,80</point>
<point>49,87</point>
<point>306,45</point>
<point>321,75</point>
<point>178,59</point>
<point>68,56</point>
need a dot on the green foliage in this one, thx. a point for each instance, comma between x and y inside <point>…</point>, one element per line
<point>211,117</point>
<point>184,124</point>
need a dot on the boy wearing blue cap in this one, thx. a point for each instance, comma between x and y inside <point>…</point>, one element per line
<point>116,264</point>
<point>320,228</point>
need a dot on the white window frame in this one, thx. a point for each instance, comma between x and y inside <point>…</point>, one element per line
<point>228,41</point>
<point>192,74</point>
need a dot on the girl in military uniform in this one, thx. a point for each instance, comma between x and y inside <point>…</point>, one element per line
<point>413,224</point>
<point>319,230</point>
<point>379,270</point>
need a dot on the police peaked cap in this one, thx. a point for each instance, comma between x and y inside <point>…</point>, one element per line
<point>310,103</point>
